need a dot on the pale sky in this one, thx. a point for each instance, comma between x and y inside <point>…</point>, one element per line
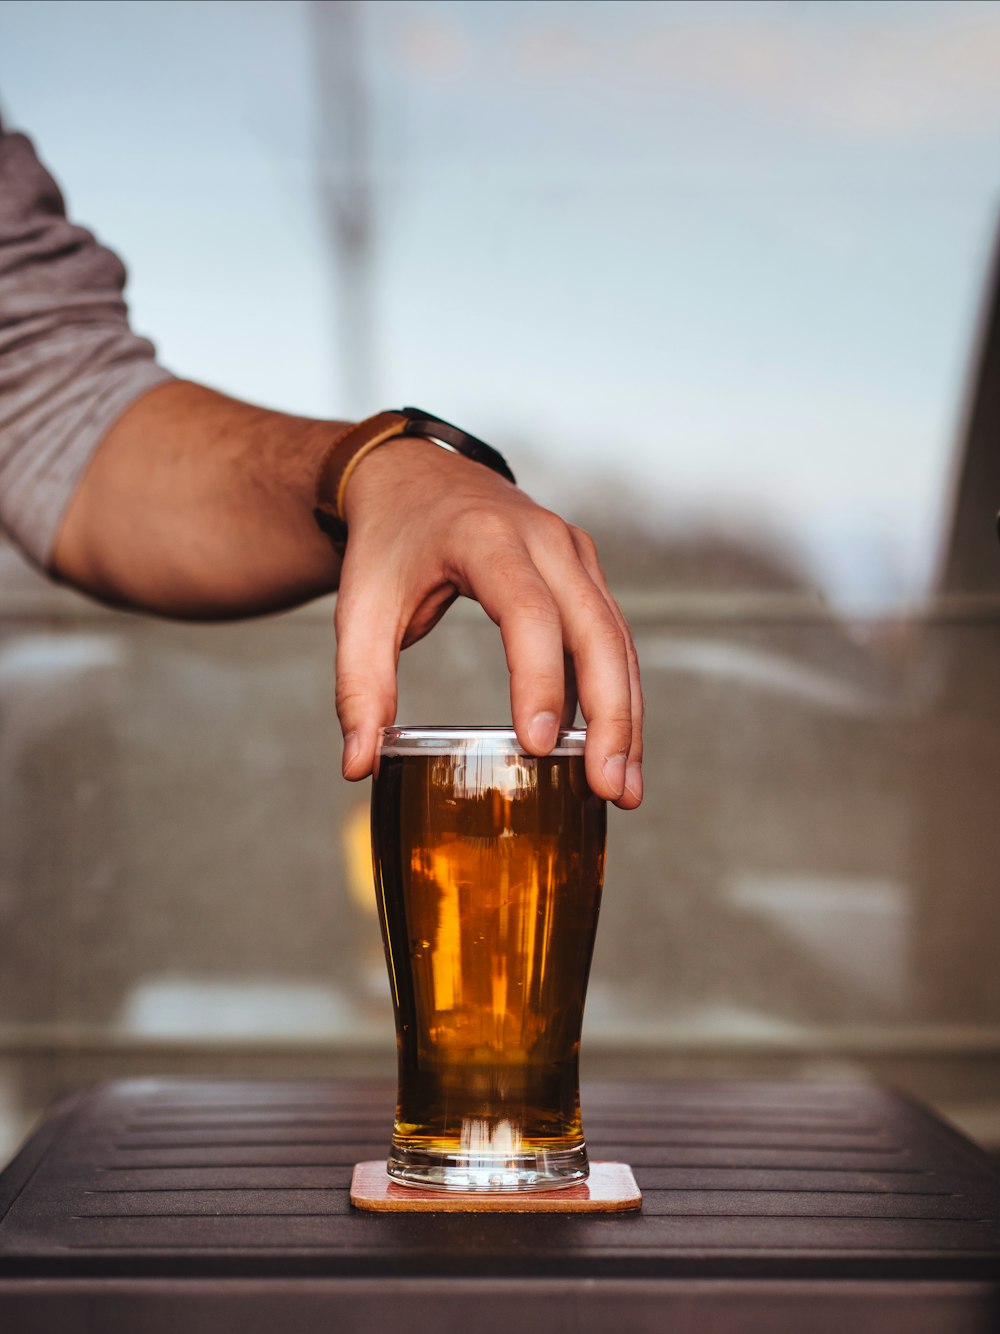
<point>737,250</point>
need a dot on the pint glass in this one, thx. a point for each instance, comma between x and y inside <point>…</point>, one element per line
<point>488,870</point>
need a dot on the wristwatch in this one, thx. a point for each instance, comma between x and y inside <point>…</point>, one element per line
<point>348,448</point>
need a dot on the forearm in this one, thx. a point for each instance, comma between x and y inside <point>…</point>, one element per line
<point>198,505</point>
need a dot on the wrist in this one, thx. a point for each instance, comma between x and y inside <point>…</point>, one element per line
<point>350,447</point>
<point>381,469</point>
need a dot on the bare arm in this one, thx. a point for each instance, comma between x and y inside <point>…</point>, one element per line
<point>164,496</point>
<point>197,505</point>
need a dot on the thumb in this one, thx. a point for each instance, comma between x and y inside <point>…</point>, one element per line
<point>366,622</point>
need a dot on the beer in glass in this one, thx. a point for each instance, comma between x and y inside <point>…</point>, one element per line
<point>488,870</point>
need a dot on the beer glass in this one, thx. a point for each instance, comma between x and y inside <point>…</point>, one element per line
<point>488,870</point>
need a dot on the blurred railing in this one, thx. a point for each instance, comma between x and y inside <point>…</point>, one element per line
<point>810,883</point>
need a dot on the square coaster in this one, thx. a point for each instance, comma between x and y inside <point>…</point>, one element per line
<point>610,1189</point>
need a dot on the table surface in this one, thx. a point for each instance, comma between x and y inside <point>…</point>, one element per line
<point>152,1180</point>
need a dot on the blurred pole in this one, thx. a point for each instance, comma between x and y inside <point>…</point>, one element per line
<point>346,195</point>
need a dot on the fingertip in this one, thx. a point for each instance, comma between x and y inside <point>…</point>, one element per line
<point>542,732</point>
<point>631,798</point>
<point>613,773</point>
<point>606,775</point>
<point>357,758</point>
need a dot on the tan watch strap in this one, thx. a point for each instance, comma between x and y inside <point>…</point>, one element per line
<point>345,452</point>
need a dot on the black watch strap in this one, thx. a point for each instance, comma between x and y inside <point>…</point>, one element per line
<point>428,427</point>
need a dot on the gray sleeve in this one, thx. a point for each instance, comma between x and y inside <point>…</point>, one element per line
<point>69,363</point>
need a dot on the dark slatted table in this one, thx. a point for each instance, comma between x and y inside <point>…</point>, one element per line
<point>151,1205</point>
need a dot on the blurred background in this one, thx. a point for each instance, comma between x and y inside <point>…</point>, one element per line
<point>717,278</point>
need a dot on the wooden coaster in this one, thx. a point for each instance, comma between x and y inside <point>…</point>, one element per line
<point>610,1189</point>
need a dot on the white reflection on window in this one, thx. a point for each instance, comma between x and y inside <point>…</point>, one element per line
<point>854,928</point>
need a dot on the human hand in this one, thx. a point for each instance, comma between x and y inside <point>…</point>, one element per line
<point>427,525</point>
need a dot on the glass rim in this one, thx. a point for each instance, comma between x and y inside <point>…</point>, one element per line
<point>456,740</point>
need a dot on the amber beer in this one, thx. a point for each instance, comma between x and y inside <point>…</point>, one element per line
<point>488,871</point>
